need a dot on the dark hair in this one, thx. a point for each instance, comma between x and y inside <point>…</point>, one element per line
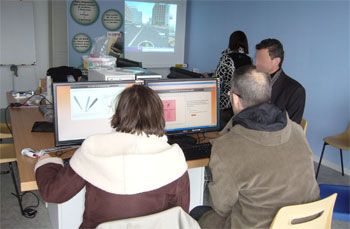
<point>252,86</point>
<point>238,39</point>
<point>275,48</point>
<point>139,110</point>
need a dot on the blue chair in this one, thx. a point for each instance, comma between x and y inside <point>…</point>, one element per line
<point>342,205</point>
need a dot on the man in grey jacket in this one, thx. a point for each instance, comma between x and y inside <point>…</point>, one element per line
<point>260,162</point>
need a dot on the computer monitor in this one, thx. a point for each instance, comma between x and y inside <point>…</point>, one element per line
<point>122,62</point>
<point>85,108</point>
<point>190,105</point>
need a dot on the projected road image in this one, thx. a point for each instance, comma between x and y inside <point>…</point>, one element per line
<point>150,27</point>
<point>146,36</point>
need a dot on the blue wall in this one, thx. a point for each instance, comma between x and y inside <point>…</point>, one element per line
<point>315,35</point>
<point>93,30</point>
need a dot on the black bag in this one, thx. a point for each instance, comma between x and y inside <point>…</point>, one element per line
<point>59,74</point>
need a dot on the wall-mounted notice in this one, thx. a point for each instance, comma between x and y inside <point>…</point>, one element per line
<point>84,12</point>
<point>81,42</point>
<point>112,19</point>
<point>109,22</point>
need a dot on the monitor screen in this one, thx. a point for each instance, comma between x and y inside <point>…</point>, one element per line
<point>190,105</point>
<point>85,108</point>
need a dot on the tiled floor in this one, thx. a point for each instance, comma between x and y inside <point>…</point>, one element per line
<point>10,216</point>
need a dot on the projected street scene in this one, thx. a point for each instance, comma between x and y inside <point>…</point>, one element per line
<point>150,27</point>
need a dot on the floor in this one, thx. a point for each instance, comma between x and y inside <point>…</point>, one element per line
<point>10,216</point>
<point>330,176</point>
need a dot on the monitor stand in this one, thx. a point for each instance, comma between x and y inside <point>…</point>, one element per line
<point>181,139</point>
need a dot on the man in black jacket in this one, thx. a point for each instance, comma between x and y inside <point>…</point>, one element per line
<point>287,93</point>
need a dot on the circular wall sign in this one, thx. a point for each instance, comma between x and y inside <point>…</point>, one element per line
<point>81,42</point>
<point>112,19</point>
<point>84,12</point>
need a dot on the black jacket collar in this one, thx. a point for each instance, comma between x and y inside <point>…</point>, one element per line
<point>264,117</point>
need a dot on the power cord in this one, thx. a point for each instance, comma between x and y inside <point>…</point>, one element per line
<point>43,98</point>
<point>60,151</point>
<point>25,102</point>
<point>6,121</point>
<point>206,137</point>
<point>28,212</point>
<point>199,138</point>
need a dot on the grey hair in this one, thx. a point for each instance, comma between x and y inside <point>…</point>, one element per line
<point>252,86</point>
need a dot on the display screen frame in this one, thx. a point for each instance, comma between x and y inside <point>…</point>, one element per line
<point>59,141</point>
<point>193,129</point>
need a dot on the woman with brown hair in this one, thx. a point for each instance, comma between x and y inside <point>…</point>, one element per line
<point>128,173</point>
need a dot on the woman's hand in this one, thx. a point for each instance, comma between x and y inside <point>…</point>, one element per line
<point>44,156</point>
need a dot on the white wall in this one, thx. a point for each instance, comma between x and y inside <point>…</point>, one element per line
<point>28,76</point>
<point>58,32</point>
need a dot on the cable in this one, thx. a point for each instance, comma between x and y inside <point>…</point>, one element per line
<point>199,139</point>
<point>44,98</point>
<point>60,148</point>
<point>64,151</point>
<point>28,212</point>
<point>25,102</point>
<point>206,137</point>
<point>6,122</point>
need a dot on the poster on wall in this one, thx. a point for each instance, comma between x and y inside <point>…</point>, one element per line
<point>91,19</point>
<point>112,19</point>
<point>84,12</point>
<point>81,42</point>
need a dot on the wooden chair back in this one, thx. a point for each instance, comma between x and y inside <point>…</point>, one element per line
<point>304,125</point>
<point>317,214</point>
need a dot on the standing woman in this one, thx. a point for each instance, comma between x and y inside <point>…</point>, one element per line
<point>232,58</point>
<point>130,172</point>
